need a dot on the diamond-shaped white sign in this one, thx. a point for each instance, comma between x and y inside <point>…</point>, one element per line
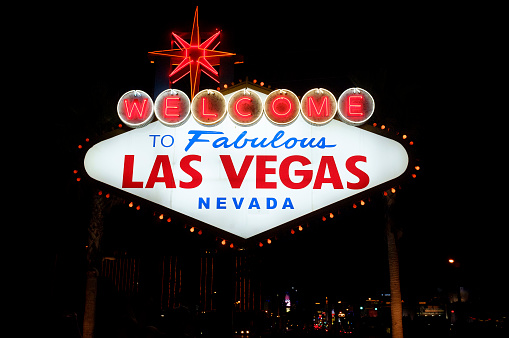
<point>246,180</point>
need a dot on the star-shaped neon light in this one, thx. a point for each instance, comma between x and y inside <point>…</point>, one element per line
<point>194,57</point>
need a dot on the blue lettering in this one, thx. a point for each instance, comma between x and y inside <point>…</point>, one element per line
<point>321,144</point>
<point>278,135</point>
<point>271,203</point>
<point>235,143</point>
<point>238,204</point>
<point>287,143</point>
<point>288,203</point>
<point>241,141</point>
<point>154,140</point>
<point>162,141</point>
<point>221,142</point>
<point>256,145</point>
<point>203,203</point>
<point>196,137</point>
<point>221,203</point>
<point>310,144</point>
<point>254,204</point>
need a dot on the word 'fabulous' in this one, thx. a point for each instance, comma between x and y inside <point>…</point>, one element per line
<point>242,141</point>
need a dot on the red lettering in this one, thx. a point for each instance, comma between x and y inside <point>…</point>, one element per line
<point>311,103</point>
<point>162,161</point>
<point>204,110</point>
<point>327,162</point>
<point>127,179</point>
<point>171,108</point>
<point>135,104</point>
<point>245,107</point>
<point>234,178</point>
<point>281,106</point>
<point>363,177</point>
<point>185,165</point>
<point>284,172</point>
<point>355,105</point>
<point>262,171</point>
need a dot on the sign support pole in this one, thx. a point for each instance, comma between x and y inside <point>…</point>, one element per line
<point>392,250</point>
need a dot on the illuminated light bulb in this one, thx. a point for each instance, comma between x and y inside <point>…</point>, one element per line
<point>451,260</point>
<point>168,220</point>
<point>225,86</point>
<point>404,137</point>
<point>75,171</point>
<point>200,232</point>
<point>414,175</point>
<point>120,125</point>
<point>301,228</point>
<point>138,207</point>
<point>231,245</point>
<point>324,218</point>
<point>411,143</point>
<point>382,126</point>
<point>262,83</point>
<point>292,231</point>
<point>100,193</point>
<point>78,179</point>
<point>331,215</point>
<point>161,216</point>
<point>417,167</point>
<point>87,139</point>
<point>254,81</point>
<point>393,190</point>
<point>269,241</point>
<point>131,205</point>
<point>362,202</point>
<point>192,229</point>
<point>218,88</point>
<point>374,124</point>
<point>223,242</point>
<point>355,206</point>
<point>385,193</point>
<point>260,244</point>
<point>107,195</point>
<point>80,146</point>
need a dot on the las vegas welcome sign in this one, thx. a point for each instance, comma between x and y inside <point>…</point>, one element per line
<point>275,158</point>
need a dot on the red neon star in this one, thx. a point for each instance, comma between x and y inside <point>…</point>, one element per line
<point>194,57</point>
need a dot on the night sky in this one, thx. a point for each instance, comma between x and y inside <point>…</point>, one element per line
<point>427,68</point>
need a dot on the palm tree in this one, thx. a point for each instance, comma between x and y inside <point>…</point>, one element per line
<point>392,234</point>
<point>95,231</point>
<point>100,206</point>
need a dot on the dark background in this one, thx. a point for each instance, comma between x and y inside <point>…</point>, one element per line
<point>435,73</point>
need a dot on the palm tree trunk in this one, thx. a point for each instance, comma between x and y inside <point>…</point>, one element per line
<point>396,304</point>
<point>90,299</point>
<point>95,232</point>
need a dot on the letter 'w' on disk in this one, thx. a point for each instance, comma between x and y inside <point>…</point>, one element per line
<point>135,108</point>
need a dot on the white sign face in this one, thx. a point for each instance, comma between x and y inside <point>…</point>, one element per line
<point>246,179</point>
